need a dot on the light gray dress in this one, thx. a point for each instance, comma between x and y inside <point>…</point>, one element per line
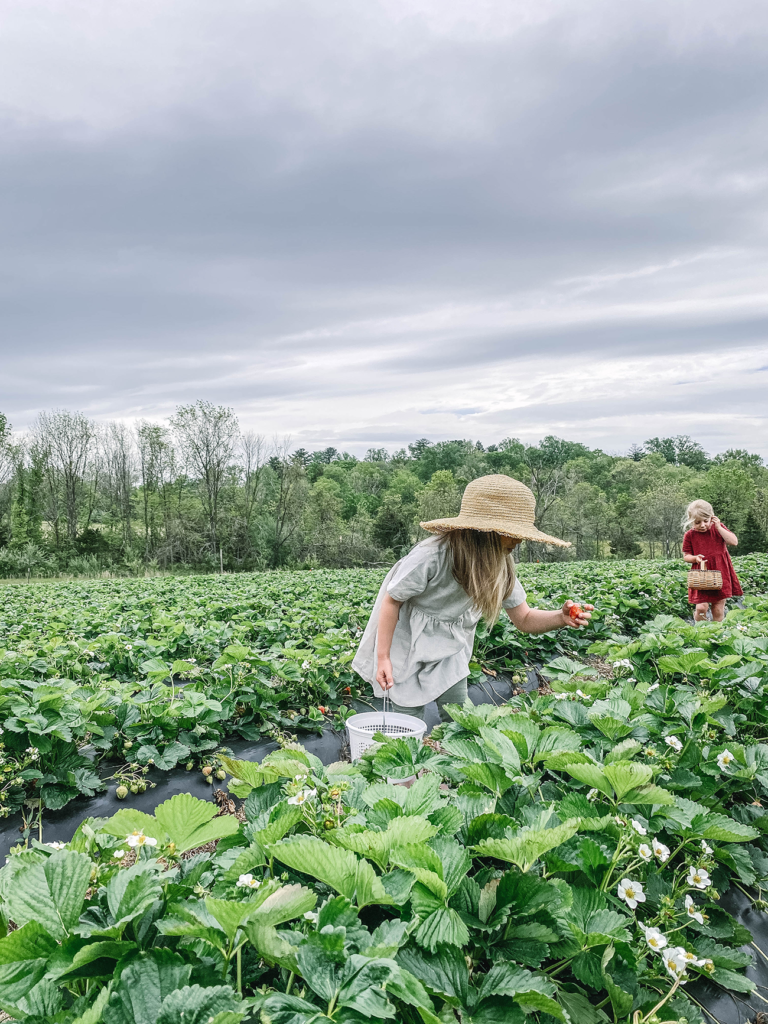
<point>435,632</point>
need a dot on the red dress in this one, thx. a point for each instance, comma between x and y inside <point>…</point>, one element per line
<point>715,550</point>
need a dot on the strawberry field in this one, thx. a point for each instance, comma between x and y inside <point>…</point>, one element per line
<point>562,857</point>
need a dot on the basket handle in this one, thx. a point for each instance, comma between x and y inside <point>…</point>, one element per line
<point>703,565</point>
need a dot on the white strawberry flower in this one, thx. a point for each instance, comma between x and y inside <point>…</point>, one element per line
<point>560,696</point>
<point>698,877</point>
<point>631,892</point>
<point>705,847</point>
<point>689,958</point>
<point>119,854</point>
<point>585,696</point>
<point>302,796</point>
<point>57,846</point>
<point>660,850</point>
<point>674,961</point>
<point>137,838</point>
<point>592,794</point>
<point>652,687</point>
<point>310,915</point>
<point>724,760</point>
<point>248,882</point>
<point>645,852</point>
<point>639,828</point>
<point>692,910</point>
<point>674,742</point>
<point>655,939</point>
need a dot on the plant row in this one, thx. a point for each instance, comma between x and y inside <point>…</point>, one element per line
<point>161,672</point>
<point>559,859</point>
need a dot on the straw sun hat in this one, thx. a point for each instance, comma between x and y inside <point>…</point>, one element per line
<point>496,504</point>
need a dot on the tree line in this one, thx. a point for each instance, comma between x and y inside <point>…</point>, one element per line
<point>198,493</point>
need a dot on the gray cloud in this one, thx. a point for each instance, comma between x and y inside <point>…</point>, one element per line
<point>361,223</point>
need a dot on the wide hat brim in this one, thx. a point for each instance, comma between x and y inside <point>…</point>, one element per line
<point>507,528</point>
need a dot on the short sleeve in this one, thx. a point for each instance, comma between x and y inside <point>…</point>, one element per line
<point>688,543</point>
<point>516,597</point>
<point>413,574</point>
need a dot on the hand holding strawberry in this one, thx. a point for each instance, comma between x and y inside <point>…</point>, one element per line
<point>576,615</point>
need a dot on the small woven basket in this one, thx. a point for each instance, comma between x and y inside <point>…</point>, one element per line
<point>705,579</point>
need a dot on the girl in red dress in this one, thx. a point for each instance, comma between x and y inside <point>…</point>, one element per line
<point>706,540</point>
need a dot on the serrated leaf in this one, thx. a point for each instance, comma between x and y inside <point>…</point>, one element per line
<point>329,864</point>
<point>23,957</point>
<point>143,985</point>
<point>196,1005</point>
<point>725,830</point>
<point>190,822</point>
<point>442,926</point>
<point>591,775</point>
<point>50,892</point>
<point>526,847</point>
<point>131,891</point>
<point>625,776</point>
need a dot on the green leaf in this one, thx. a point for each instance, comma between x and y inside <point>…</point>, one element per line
<point>731,980</point>
<point>531,991</point>
<point>725,830</point>
<point>190,822</point>
<point>423,797</point>
<point>23,957</point>
<point>319,957</point>
<point>625,776</point>
<point>649,794</point>
<point>365,992</point>
<point>128,820</point>
<point>487,774</point>
<point>501,749</point>
<point>377,845</point>
<point>526,847</point>
<point>555,740</point>
<point>445,974</point>
<point>289,816</point>
<point>50,892</point>
<point>425,865</point>
<point>285,904</point>
<point>442,926</point>
<point>591,775</point>
<point>249,859</point>
<point>132,890</point>
<point>196,1005</point>
<point>329,864</point>
<point>143,985</point>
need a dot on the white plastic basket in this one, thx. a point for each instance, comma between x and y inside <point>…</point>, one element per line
<point>360,728</point>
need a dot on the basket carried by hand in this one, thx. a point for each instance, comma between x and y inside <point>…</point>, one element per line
<point>701,578</point>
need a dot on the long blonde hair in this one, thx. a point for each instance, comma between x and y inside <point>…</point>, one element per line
<point>698,509</point>
<point>483,569</point>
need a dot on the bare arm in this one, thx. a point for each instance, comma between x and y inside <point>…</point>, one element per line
<point>534,620</point>
<point>728,536</point>
<point>693,559</point>
<point>388,616</point>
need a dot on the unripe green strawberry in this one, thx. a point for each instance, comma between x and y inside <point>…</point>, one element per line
<point>134,789</point>
<point>207,770</point>
<point>121,792</point>
<point>221,774</point>
<point>209,778</point>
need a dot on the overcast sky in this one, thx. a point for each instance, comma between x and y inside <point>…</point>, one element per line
<point>359,223</point>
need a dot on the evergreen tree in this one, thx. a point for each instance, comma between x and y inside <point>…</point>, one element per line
<point>751,537</point>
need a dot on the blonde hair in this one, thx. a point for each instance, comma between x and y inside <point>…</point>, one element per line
<point>483,568</point>
<point>698,509</point>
